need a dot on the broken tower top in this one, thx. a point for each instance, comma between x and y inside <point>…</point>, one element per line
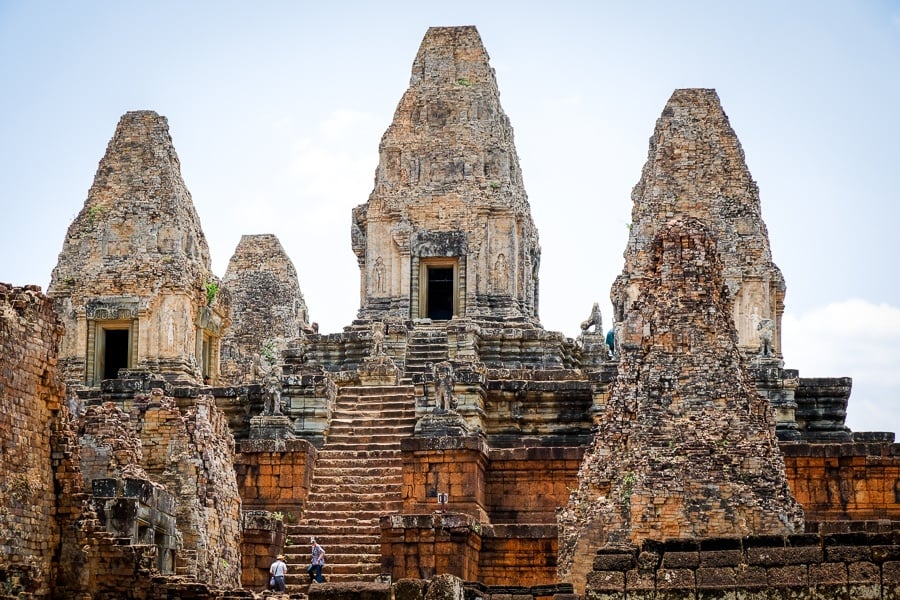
<point>686,447</point>
<point>268,306</point>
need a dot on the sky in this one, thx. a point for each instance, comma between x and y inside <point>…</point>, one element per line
<point>276,110</point>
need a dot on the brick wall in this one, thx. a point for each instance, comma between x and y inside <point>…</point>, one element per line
<point>850,481</point>
<point>448,464</point>
<point>30,402</point>
<point>799,566</point>
<point>526,485</point>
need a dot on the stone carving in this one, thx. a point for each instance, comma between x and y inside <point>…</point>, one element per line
<point>766,329</point>
<point>378,275</point>
<point>500,274</point>
<point>272,394</point>
<point>595,320</point>
<point>444,400</point>
<point>377,339</point>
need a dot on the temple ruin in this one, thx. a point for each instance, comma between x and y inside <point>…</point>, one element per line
<point>165,433</point>
<point>133,285</point>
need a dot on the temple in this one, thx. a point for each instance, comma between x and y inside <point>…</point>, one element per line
<point>168,433</point>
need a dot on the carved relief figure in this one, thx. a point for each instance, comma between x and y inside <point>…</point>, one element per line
<point>500,274</point>
<point>272,394</point>
<point>766,330</point>
<point>443,387</point>
<point>595,320</point>
<point>377,339</point>
<point>378,275</point>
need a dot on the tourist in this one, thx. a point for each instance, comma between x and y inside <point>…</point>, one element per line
<point>316,562</point>
<point>277,571</point>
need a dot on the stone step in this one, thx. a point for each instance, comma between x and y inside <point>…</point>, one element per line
<point>384,414</point>
<point>327,454</point>
<point>385,429</point>
<point>385,484</point>
<point>380,446</point>
<point>337,555</point>
<point>356,472</point>
<point>340,523</point>
<point>358,478</point>
<point>380,391</point>
<point>354,439</point>
<point>350,500</point>
<point>350,468</point>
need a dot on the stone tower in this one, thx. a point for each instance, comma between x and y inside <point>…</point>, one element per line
<point>267,305</point>
<point>687,447</point>
<point>447,229</point>
<point>133,285</point>
<point>695,166</point>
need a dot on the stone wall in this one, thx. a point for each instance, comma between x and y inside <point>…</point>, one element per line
<point>806,566</point>
<point>527,485</point>
<point>29,412</point>
<point>425,545</point>
<point>275,475</point>
<point>845,482</point>
<point>190,453</point>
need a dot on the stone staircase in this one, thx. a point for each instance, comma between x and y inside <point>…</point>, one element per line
<point>426,345</point>
<point>358,478</point>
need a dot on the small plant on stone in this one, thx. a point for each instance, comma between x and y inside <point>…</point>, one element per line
<point>212,289</point>
<point>290,517</point>
<point>268,351</point>
<point>288,542</point>
<point>93,213</point>
<point>495,185</point>
<point>463,82</point>
<point>627,487</point>
<point>278,516</point>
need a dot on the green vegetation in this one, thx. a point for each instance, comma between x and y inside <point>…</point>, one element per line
<point>212,288</point>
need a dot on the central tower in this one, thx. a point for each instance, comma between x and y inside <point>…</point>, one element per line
<point>447,229</point>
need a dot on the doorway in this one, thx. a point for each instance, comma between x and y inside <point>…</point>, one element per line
<point>114,349</point>
<point>438,289</point>
<point>440,293</point>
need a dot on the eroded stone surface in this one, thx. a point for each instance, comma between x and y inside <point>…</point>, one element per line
<point>135,260</point>
<point>30,402</point>
<point>267,306</point>
<point>448,195</point>
<point>687,446</point>
<point>696,167</point>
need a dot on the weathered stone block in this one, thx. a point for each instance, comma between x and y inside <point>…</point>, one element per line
<point>604,582</point>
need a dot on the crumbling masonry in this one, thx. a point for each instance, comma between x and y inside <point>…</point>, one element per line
<point>164,433</point>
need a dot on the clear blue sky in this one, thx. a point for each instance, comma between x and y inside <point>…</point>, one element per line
<point>276,110</point>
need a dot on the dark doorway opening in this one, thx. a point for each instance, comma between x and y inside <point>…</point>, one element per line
<point>115,352</point>
<point>440,293</point>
